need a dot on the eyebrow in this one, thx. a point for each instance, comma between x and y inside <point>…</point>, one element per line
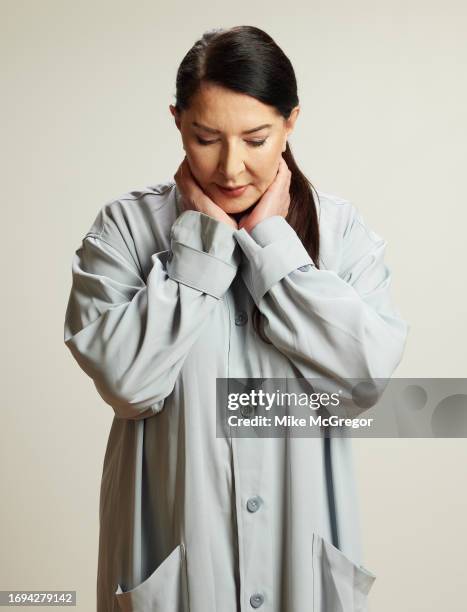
<point>213,131</point>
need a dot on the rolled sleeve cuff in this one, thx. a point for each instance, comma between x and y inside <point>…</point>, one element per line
<point>204,253</point>
<point>272,251</point>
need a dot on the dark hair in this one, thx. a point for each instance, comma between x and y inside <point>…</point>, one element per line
<point>247,60</point>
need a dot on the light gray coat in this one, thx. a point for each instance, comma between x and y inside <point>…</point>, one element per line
<point>160,306</point>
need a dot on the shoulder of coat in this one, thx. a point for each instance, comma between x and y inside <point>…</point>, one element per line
<point>151,198</point>
<point>334,212</point>
<point>133,208</point>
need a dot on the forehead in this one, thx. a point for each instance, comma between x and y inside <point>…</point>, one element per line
<point>229,111</point>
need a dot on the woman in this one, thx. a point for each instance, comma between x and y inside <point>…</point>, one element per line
<point>183,283</point>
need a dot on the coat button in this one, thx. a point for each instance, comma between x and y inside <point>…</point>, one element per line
<point>247,411</point>
<point>304,268</point>
<point>253,503</point>
<point>256,600</point>
<point>241,318</point>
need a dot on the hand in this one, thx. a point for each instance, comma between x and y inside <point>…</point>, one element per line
<point>194,198</point>
<point>274,201</point>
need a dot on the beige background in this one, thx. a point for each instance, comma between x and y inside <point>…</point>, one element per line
<point>85,118</point>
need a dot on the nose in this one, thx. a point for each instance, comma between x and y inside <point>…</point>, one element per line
<point>231,162</point>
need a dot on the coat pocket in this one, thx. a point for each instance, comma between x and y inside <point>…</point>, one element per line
<point>339,584</point>
<point>161,591</point>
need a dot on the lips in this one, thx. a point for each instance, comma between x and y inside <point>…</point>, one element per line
<point>232,188</point>
<point>232,192</point>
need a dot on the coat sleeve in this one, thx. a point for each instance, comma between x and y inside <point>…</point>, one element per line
<point>132,336</point>
<point>334,326</point>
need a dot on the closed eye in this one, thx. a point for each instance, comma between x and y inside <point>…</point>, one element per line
<point>253,143</point>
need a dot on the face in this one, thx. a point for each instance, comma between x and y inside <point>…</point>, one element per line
<point>224,146</point>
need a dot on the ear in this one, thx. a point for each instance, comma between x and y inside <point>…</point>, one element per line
<point>175,114</point>
<point>290,123</point>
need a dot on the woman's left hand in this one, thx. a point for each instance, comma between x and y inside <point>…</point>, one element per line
<point>274,201</point>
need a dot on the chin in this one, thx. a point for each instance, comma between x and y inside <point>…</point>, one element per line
<point>236,207</point>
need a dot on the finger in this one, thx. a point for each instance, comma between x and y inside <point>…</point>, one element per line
<point>186,170</point>
<point>186,176</point>
<point>193,183</point>
<point>283,174</point>
<point>179,173</point>
<point>283,170</point>
<point>284,167</point>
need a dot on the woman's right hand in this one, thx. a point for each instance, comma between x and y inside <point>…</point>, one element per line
<point>194,198</point>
